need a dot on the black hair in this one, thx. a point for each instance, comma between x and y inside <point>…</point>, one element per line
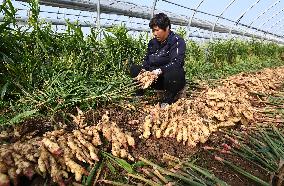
<point>161,20</point>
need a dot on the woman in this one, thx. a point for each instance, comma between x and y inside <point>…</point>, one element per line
<point>165,57</point>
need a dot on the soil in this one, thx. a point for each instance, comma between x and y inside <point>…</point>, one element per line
<point>152,149</point>
<point>207,160</point>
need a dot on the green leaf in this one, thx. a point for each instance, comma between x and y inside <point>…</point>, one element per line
<point>4,90</point>
<point>111,168</point>
<point>94,171</point>
<point>13,10</point>
<point>122,163</point>
<point>20,117</point>
<point>138,164</point>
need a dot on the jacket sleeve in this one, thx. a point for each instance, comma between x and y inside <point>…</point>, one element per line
<point>177,55</point>
<point>146,63</point>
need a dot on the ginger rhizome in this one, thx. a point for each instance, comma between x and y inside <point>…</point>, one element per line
<point>146,78</point>
<point>191,121</point>
<point>61,153</point>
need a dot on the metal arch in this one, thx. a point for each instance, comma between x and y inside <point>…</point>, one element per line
<point>221,14</point>
<point>270,18</point>
<point>210,26</point>
<point>199,4</point>
<point>98,15</point>
<point>275,24</point>
<point>194,12</point>
<point>206,13</point>
<point>264,12</point>
<point>142,13</point>
<point>243,14</point>
<point>153,8</point>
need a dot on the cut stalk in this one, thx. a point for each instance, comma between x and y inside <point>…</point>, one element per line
<point>114,183</point>
<point>207,174</point>
<point>243,172</point>
<point>150,182</point>
<point>189,181</point>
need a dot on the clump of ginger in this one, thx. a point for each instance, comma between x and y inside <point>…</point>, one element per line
<point>146,78</point>
<point>60,153</point>
<point>176,121</point>
<point>120,141</point>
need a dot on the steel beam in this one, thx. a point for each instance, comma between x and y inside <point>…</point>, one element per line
<point>132,10</point>
<point>194,12</point>
<point>265,22</point>
<point>153,8</point>
<point>264,12</point>
<point>243,14</point>
<point>220,15</point>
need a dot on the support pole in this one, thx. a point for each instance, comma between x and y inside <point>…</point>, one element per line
<point>220,15</point>
<point>98,23</point>
<point>191,18</point>
<point>243,14</point>
<point>153,8</point>
<point>98,14</point>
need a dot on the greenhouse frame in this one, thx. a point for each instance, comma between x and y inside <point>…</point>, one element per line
<point>149,92</point>
<point>256,19</point>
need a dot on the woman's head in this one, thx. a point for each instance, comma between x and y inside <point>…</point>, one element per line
<point>161,20</point>
<point>160,25</point>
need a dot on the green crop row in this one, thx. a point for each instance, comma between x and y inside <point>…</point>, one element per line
<point>226,57</point>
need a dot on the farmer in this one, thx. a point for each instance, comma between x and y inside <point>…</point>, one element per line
<point>165,57</point>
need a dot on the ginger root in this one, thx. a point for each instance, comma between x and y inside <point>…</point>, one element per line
<point>146,78</point>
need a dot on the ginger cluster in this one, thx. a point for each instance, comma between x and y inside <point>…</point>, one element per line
<point>177,121</point>
<point>62,154</point>
<point>146,79</point>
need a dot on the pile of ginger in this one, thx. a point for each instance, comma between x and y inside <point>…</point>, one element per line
<point>62,154</point>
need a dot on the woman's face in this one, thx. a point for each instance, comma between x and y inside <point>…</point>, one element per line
<point>160,34</point>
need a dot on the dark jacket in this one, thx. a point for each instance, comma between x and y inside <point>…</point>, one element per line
<point>167,55</point>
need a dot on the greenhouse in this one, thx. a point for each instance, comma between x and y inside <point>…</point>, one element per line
<point>150,92</point>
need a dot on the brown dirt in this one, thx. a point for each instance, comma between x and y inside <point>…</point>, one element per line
<point>206,159</point>
<point>29,128</point>
<point>153,149</point>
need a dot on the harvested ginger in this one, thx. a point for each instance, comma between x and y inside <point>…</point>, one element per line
<point>146,78</point>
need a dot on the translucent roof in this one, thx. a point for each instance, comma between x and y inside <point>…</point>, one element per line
<point>208,19</point>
